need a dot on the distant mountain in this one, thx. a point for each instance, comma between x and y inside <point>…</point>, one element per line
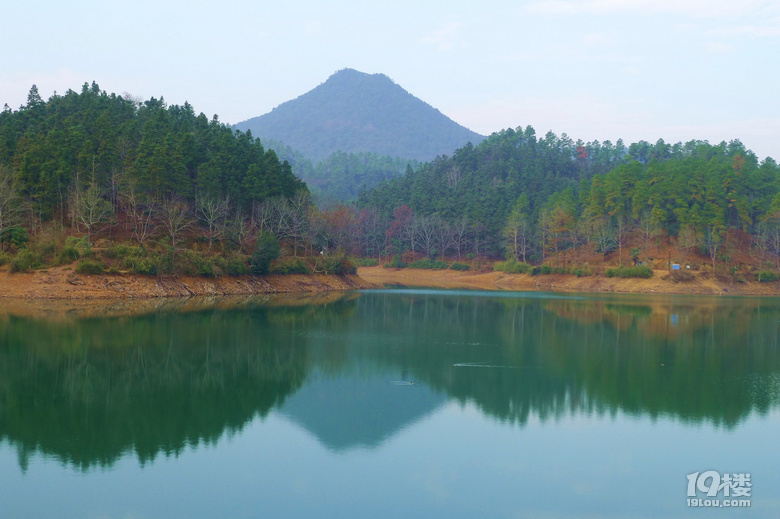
<point>356,112</point>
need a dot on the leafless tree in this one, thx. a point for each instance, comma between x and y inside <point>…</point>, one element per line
<point>89,207</point>
<point>176,219</point>
<point>460,231</point>
<point>442,235</point>
<point>244,227</point>
<point>140,210</point>
<point>11,202</point>
<point>687,241</point>
<point>425,234</point>
<point>213,213</point>
<point>603,237</point>
<point>761,245</point>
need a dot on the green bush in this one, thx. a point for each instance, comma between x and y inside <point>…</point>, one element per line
<point>768,276</point>
<point>536,271</point>
<point>266,250</point>
<point>5,258</point>
<point>146,266</point>
<point>90,267</point>
<point>641,271</point>
<point>364,262</point>
<point>68,255</point>
<point>459,266</point>
<point>16,236</point>
<point>546,269</point>
<point>429,264</point>
<point>512,266</point>
<point>233,266</point>
<point>582,271</point>
<point>334,265</point>
<point>123,251</point>
<point>25,260</point>
<point>396,263</point>
<point>290,266</point>
<point>193,263</point>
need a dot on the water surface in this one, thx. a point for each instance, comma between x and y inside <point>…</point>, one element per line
<point>412,403</point>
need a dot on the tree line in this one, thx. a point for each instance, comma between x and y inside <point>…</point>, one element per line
<point>160,175</point>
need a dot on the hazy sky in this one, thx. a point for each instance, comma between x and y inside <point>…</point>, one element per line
<point>594,69</point>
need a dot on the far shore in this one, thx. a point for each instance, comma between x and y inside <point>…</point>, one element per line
<point>559,283</point>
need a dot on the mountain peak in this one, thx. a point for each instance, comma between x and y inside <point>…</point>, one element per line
<point>357,112</point>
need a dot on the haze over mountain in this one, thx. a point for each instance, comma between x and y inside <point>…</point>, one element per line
<point>356,112</point>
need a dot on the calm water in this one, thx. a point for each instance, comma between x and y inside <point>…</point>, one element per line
<point>391,404</point>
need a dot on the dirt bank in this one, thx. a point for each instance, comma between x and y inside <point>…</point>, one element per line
<point>559,283</point>
<point>64,283</point>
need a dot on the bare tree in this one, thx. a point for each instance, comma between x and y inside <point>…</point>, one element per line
<point>296,218</point>
<point>372,229</point>
<point>11,203</point>
<point>89,207</point>
<point>761,245</point>
<point>687,241</point>
<point>603,238</point>
<point>245,229</point>
<point>213,212</point>
<point>649,228</point>
<point>175,218</point>
<point>425,234</point>
<point>517,233</point>
<point>443,235</point>
<point>460,231</point>
<point>140,210</point>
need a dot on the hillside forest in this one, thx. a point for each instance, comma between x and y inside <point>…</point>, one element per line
<point>118,185</point>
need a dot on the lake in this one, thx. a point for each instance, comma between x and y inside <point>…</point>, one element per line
<point>393,403</point>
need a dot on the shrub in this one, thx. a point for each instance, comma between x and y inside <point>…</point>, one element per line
<point>459,266</point>
<point>396,263</point>
<point>429,264</point>
<point>768,276</point>
<point>582,271</point>
<point>334,265</point>
<point>266,250</point>
<point>545,269</point>
<point>641,271</point>
<point>16,236</point>
<point>122,251</point>
<point>364,262</point>
<point>67,255</point>
<point>90,267</point>
<point>25,260</point>
<point>5,258</point>
<point>536,271</point>
<point>233,266</point>
<point>290,266</point>
<point>146,266</point>
<point>512,266</point>
<point>199,264</point>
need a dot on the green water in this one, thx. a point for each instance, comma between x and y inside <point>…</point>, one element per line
<point>391,404</point>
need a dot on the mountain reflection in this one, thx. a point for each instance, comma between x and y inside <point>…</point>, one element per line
<point>89,390</point>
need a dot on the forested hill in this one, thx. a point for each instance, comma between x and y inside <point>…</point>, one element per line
<point>57,147</point>
<point>355,112</point>
<point>551,193</point>
<point>483,182</point>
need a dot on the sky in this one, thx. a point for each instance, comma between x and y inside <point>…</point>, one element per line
<point>594,69</point>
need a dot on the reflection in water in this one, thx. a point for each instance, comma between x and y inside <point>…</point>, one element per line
<point>88,390</point>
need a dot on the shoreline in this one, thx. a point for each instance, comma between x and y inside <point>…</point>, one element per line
<point>417,278</point>
<point>62,283</point>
